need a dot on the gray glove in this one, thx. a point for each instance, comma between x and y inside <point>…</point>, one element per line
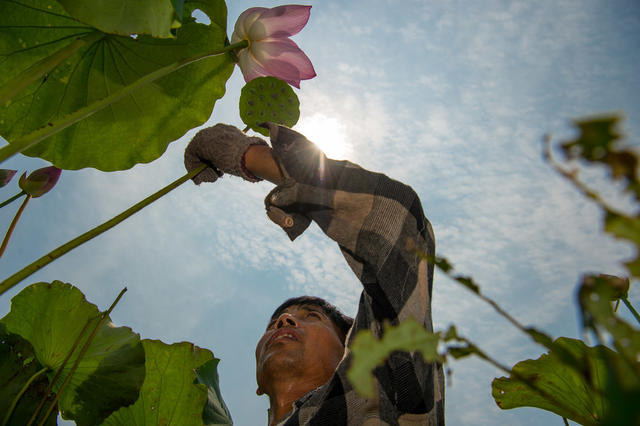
<point>222,149</point>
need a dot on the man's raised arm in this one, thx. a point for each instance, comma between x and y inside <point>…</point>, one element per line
<point>380,227</point>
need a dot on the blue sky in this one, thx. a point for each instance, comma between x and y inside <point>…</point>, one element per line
<point>450,97</point>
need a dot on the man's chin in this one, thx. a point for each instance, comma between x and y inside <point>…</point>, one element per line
<point>283,359</point>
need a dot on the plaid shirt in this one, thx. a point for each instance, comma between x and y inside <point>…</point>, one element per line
<point>378,223</point>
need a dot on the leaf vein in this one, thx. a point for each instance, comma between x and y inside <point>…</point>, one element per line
<point>26,49</point>
<point>48,12</point>
<point>106,80</point>
<point>113,49</point>
<point>71,76</point>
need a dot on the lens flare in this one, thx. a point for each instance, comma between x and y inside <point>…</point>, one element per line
<point>327,133</point>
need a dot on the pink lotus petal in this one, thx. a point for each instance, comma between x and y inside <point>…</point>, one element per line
<point>6,176</point>
<point>40,181</point>
<point>285,71</point>
<point>283,58</point>
<point>270,51</point>
<point>249,66</point>
<point>281,21</point>
<point>244,23</point>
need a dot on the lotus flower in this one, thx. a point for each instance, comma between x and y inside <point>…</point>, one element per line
<point>5,176</point>
<point>271,52</point>
<point>40,181</point>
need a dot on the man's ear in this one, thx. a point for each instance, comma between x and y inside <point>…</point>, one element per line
<point>259,391</point>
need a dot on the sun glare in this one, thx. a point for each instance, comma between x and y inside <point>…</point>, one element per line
<point>327,133</point>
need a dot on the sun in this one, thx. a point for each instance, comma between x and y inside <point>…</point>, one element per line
<point>327,133</point>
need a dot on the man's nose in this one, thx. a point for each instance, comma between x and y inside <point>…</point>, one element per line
<point>286,320</point>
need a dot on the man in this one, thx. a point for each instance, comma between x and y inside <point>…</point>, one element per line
<point>378,223</point>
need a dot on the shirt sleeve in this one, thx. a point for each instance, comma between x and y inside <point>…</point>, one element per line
<point>377,222</point>
<point>380,227</point>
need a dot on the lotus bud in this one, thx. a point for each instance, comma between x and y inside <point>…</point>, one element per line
<point>6,176</point>
<point>40,181</point>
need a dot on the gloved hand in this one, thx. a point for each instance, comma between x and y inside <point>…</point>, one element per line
<point>222,149</point>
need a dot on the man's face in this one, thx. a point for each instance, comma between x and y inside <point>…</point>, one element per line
<point>302,340</point>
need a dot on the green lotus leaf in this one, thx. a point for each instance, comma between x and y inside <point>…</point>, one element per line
<point>138,127</point>
<point>169,394</point>
<point>369,352</point>
<point>124,17</point>
<point>178,5</point>
<point>575,396</point>
<point>594,296</point>
<point>17,366</point>
<point>268,99</point>
<point>215,411</point>
<point>111,372</point>
<point>597,135</point>
<point>626,228</point>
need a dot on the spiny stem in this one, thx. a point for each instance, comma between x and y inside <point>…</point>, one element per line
<point>43,400</point>
<point>12,199</point>
<point>486,357</point>
<point>631,308</point>
<point>19,395</point>
<point>115,302</point>
<point>54,127</point>
<point>45,65</point>
<point>14,222</point>
<point>514,374</point>
<point>63,249</point>
<point>571,176</point>
<point>464,281</point>
<point>502,312</point>
<point>83,351</point>
<point>530,383</point>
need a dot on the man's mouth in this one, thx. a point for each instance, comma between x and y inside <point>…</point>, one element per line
<point>283,334</point>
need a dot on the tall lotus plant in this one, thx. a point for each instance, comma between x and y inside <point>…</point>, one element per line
<point>262,43</point>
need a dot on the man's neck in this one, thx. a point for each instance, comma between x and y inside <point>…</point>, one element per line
<point>286,391</point>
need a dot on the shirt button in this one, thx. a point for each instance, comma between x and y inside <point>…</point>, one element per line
<point>288,222</point>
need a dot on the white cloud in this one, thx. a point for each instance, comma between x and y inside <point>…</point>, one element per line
<point>412,32</point>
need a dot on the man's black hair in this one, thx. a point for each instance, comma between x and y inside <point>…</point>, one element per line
<point>342,321</point>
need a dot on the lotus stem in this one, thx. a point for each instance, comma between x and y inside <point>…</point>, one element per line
<point>12,199</point>
<point>83,351</point>
<point>53,381</point>
<point>19,395</point>
<point>65,248</point>
<point>631,308</point>
<point>14,222</point>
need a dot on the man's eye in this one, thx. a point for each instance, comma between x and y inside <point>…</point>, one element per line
<point>314,314</point>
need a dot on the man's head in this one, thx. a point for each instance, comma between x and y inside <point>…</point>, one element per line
<point>304,339</point>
